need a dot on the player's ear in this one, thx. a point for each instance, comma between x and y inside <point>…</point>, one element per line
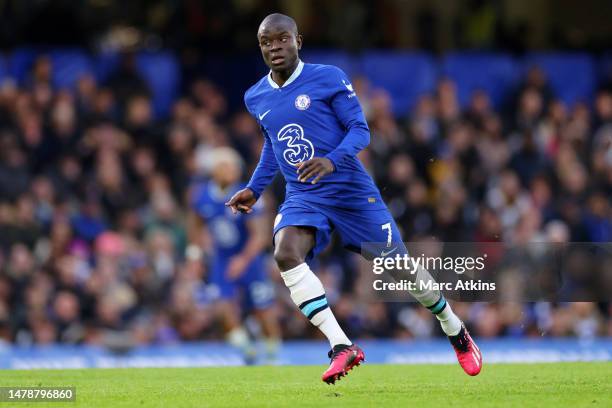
<point>298,40</point>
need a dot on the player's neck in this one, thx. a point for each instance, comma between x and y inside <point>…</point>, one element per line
<point>280,77</point>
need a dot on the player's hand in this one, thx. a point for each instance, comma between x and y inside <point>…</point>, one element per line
<point>317,168</point>
<point>242,201</point>
<point>236,267</point>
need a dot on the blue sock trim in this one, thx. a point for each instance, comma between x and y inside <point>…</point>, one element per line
<point>311,307</point>
<point>439,306</point>
<point>314,299</point>
<point>317,310</point>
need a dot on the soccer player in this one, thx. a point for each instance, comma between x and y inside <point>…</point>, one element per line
<point>237,268</point>
<point>313,127</point>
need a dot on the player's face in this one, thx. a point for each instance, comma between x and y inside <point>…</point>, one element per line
<point>279,46</point>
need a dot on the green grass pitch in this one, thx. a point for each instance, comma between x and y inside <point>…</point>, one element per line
<point>514,385</point>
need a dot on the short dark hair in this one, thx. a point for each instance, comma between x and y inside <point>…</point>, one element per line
<point>278,18</point>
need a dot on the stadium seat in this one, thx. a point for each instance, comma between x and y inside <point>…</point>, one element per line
<point>493,73</point>
<point>20,62</point>
<point>4,73</point>
<point>159,70</point>
<point>105,64</point>
<point>162,74</point>
<point>343,60</point>
<point>68,66</point>
<point>605,66</point>
<point>218,68</point>
<point>572,76</point>
<point>404,75</point>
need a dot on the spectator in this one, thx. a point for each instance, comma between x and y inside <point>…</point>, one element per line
<point>93,193</point>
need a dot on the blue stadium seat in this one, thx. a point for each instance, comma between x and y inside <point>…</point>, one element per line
<point>4,73</point>
<point>160,70</point>
<point>69,65</point>
<point>343,60</point>
<point>493,73</point>
<point>405,75</point>
<point>572,76</point>
<point>228,71</point>
<point>162,73</point>
<point>105,63</point>
<point>20,63</point>
<point>605,67</point>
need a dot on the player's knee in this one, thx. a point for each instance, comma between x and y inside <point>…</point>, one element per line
<point>287,257</point>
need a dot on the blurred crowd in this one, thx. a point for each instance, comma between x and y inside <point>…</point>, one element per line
<point>93,205</point>
<point>341,24</point>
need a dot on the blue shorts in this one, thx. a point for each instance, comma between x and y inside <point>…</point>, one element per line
<point>253,284</point>
<point>369,232</point>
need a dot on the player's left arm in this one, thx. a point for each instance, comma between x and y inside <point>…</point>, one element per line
<point>258,240</point>
<point>345,105</point>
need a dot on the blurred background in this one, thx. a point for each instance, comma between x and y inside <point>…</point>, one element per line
<point>491,121</point>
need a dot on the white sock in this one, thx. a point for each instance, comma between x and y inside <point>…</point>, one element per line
<point>308,294</point>
<point>436,303</point>
<point>450,323</point>
<point>272,344</point>
<point>239,338</point>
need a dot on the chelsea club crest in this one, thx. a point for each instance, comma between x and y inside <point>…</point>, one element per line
<point>302,102</point>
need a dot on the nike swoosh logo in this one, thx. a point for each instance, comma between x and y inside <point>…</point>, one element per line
<point>263,115</point>
<point>383,253</point>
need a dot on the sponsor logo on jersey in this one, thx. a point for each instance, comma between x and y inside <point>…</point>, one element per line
<point>298,148</point>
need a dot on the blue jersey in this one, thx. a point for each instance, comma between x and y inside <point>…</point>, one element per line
<point>314,114</point>
<point>229,231</point>
<point>230,234</point>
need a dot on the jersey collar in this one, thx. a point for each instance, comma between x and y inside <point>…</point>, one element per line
<point>289,80</point>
